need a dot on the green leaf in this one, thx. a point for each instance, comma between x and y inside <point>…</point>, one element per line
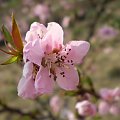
<point>86,80</point>
<point>7,35</point>
<point>16,35</point>
<point>11,60</point>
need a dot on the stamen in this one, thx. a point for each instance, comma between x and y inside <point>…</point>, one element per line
<point>55,77</point>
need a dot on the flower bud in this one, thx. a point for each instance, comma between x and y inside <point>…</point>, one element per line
<point>55,104</point>
<point>85,108</point>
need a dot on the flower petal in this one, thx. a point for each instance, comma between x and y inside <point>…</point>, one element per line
<point>43,83</point>
<point>26,87</point>
<point>69,80</point>
<point>54,36</point>
<point>78,50</point>
<point>103,108</point>
<point>33,52</point>
<point>37,31</point>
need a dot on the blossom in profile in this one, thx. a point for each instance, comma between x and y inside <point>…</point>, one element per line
<point>86,108</point>
<point>55,104</point>
<point>50,60</point>
<point>107,32</point>
<point>42,11</point>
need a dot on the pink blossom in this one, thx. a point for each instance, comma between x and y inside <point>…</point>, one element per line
<point>51,60</point>
<point>42,11</point>
<point>110,95</point>
<point>85,108</point>
<point>67,114</point>
<point>66,21</point>
<point>107,94</point>
<point>70,115</point>
<point>103,108</point>
<point>26,88</point>
<point>115,110</point>
<point>116,93</point>
<point>55,104</point>
<point>107,32</point>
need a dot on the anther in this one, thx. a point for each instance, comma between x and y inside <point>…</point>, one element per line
<point>63,75</point>
<point>50,76</point>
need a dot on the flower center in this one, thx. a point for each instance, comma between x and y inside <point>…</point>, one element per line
<point>57,59</point>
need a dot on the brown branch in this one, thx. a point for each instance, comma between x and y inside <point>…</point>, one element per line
<point>99,12</point>
<point>6,108</point>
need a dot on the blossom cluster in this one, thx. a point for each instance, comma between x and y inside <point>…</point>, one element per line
<point>109,103</point>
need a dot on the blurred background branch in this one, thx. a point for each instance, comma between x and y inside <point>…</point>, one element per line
<point>99,10</point>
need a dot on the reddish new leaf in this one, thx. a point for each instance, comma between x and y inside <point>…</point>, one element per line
<point>16,35</point>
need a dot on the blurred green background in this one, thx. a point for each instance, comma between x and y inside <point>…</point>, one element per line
<point>97,21</point>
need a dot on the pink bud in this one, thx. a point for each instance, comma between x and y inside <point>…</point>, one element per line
<point>85,108</point>
<point>115,110</point>
<point>42,11</point>
<point>103,108</point>
<point>55,104</point>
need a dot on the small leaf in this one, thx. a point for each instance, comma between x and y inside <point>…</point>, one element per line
<point>11,60</point>
<point>7,35</point>
<point>16,35</point>
<point>86,80</point>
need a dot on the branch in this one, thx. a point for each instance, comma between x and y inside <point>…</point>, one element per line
<point>99,12</point>
<point>6,108</point>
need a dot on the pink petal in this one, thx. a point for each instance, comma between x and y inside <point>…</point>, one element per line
<point>116,93</point>
<point>78,50</point>
<point>37,31</point>
<point>107,94</point>
<point>103,108</point>
<point>43,83</point>
<point>32,51</point>
<point>26,87</point>
<point>54,36</point>
<point>115,110</point>
<point>69,80</point>
<point>36,25</point>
